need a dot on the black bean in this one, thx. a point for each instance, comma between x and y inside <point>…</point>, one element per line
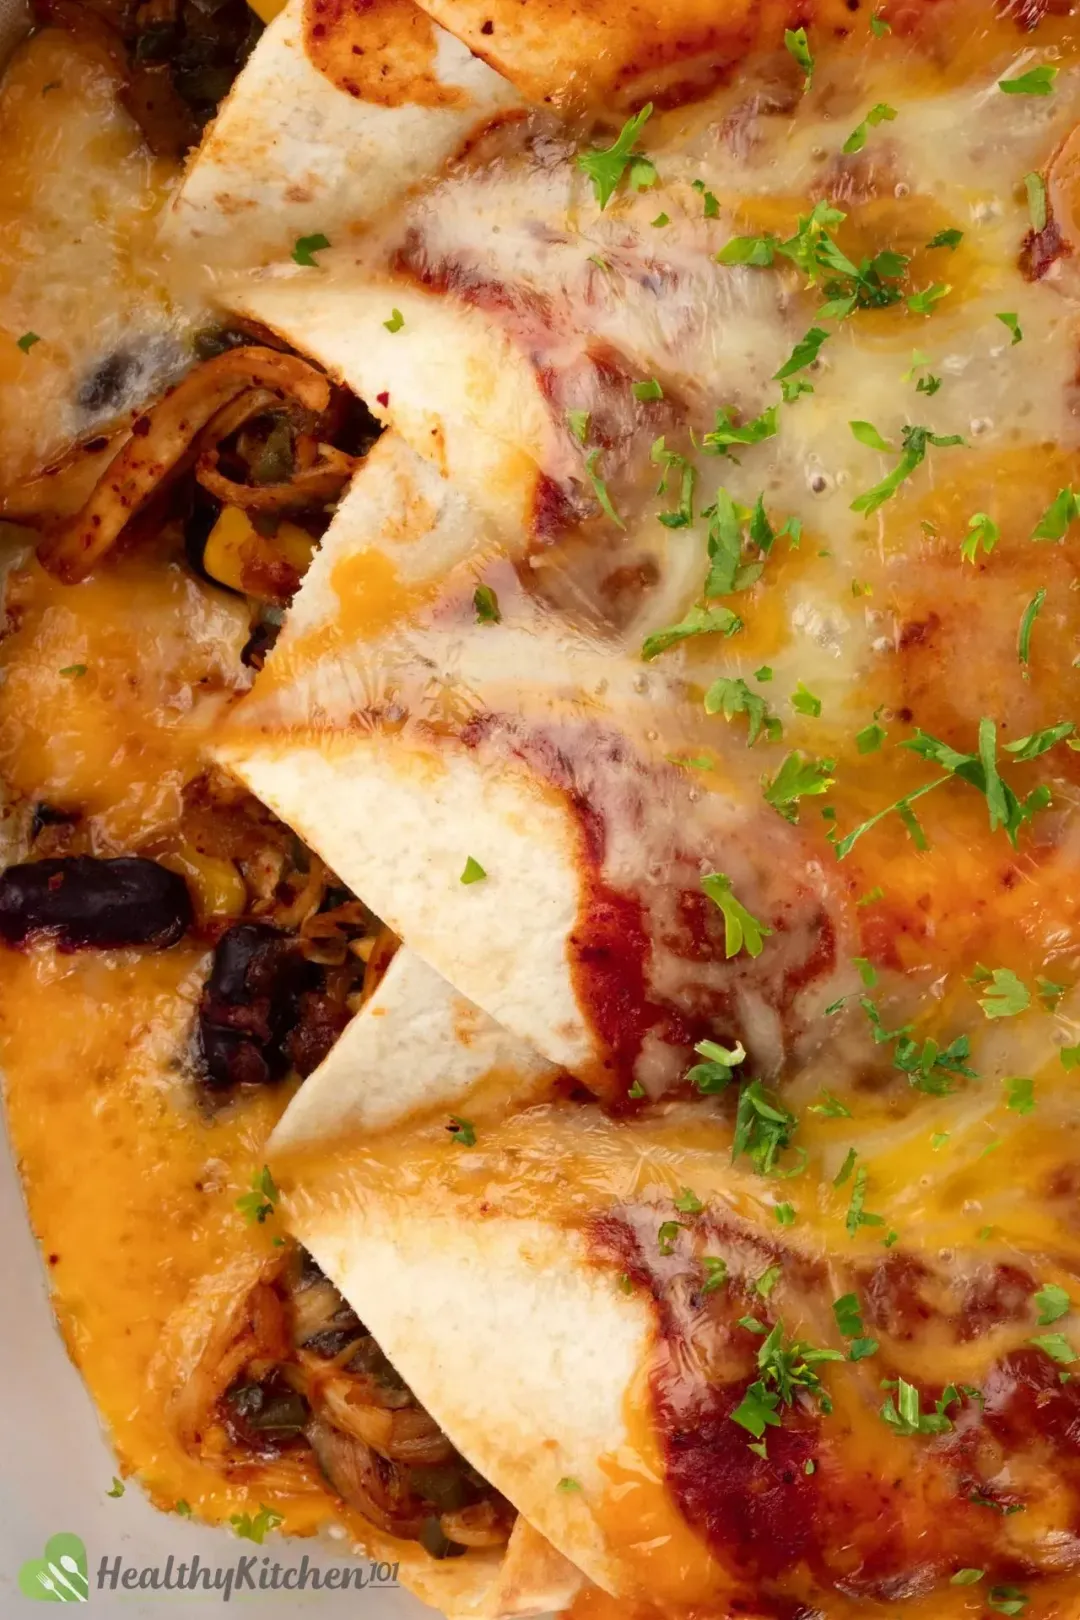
<point>249,1005</point>
<point>82,900</point>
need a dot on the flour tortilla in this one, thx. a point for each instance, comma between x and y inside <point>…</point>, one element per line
<point>416,1047</point>
<point>290,154</point>
<point>523,1353</point>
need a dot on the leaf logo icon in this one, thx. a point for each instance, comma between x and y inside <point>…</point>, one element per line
<point>59,1575</point>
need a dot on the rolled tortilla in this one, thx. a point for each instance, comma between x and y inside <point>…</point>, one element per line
<point>399,737</point>
<point>414,1049</point>
<point>314,139</point>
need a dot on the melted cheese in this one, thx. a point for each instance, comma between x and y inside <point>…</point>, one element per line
<point>875,616</point>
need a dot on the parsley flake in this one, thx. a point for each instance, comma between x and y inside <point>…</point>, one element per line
<point>714,1075</point>
<point>1006,996</point>
<point>255,1528</point>
<point>923,303</point>
<point>647,390</point>
<point>800,776</point>
<point>1037,81</point>
<point>305,248</point>
<point>1027,624</point>
<point>880,114</point>
<point>259,1204</point>
<point>605,167</point>
<point>982,531</point>
<point>796,42</point>
<point>950,239</point>
<point>117,1488</point>
<point>803,354</point>
<point>1053,1303</point>
<point>1011,322</point>
<point>473,871</point>
<point>592,461</point>
<point>1035,186</point>
<point>1020,1094</point>
<point>396,321</point>
<point>741,930</point>
<point>730,696</point>
<point>486,604</point>
<point>462,1130</point>
<point>27,341</point>
<point>700,621</point>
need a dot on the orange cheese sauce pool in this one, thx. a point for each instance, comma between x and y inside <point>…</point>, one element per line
<point>131,1190</point>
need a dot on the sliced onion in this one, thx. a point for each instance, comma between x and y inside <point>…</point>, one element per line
<point>162,443</point>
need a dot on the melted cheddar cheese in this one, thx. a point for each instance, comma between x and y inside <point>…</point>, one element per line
<point>913,1007</point>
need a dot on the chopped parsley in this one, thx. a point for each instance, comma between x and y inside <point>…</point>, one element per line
<point>849,1320</point>
<point>670,460</point>
<point>27,341</point>
<point>796,42</point>
<point>763,1128</point>
<point>870,738</point>
<point>1053,1303</point>
<point>462,1130</point>
<point>1006,996</point>
<point>647,390</point>
<point>661,219</point>
<point>117,1488</point>
<point>568,1484</point>
<point>1011,322</point>
<point>578,423</point>
<point>764,1285</point>
<point>73,671</point>
<point>1007,1599</point>
<point>1058,515</point>
<point>486,604</point>
<point>605,167</point>
<point>804,701</point>
<point>785,1214</point>
<point>784,1369</point>
<point>667,1236</point>
<point>1070,1057</point>
<point>711,206</point>
<point>600,490</point>
<point>870,284</point>
<point>857,1215</point>
<point>700,621</point>
<point>741,930</point>
<point>305,248</point>
<point>1020,1094</point>
<point>396,321</point>
<point>1056,1346</point>
<point>879,27</point>
<point>1027,624</point>
<point>915,441</point>
<point>803,354</point>
<point>949,239</point>
<point>1037,81</point>
<point>967,1577</point>
<point>880,114</point>
<point>830,1107</point>
<point>730,696</point>
<point>727,432</point>
<point>904,1412</point>
<point>928,384</point>
<point>688,1202</point>
<point>982,531</point>
<point>714,1075</point>
<point>259,1204</point>
<point>922,303</point>
<point>1035,186</point>
<point>473,871</point>
<point>980,771</point>
<point>800,776</point>
<point>715,1269</point>
<point>255,1528</point>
